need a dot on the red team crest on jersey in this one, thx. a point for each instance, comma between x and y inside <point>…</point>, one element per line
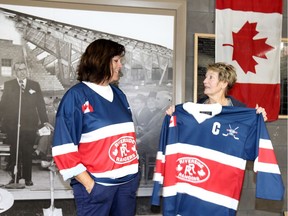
<point>192,170</point>
<point>123,150</point>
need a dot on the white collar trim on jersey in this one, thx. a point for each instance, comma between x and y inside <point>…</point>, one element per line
<point>201,112</point>
<point>105,91</point>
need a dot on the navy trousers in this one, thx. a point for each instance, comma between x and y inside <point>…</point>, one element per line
<point>118,200</point>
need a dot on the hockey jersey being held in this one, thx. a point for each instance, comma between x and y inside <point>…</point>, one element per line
<point>202,158</point>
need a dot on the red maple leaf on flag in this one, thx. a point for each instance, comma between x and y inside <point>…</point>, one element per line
<point>245,47</point>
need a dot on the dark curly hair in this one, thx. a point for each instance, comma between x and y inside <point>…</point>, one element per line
<point>95,62</point>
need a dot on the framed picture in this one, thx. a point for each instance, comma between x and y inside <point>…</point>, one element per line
<point>204,54</point>
<point>51,49</point>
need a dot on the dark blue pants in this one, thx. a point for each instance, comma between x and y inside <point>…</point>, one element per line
<point>118,200</point>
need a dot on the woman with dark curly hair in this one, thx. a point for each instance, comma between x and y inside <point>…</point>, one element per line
<point>94,140</point>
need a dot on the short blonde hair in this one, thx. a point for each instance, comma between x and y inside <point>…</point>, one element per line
<point>226,73</point>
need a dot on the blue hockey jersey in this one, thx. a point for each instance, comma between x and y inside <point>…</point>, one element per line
<point>202,158</point>
<point>95,134</point>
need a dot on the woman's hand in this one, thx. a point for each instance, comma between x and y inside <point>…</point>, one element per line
<point>170,110</point>
<point>85,179</point>
<point>89,187</point>
<point>262,111</point>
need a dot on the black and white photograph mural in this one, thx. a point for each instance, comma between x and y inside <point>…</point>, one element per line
<point>44,45</point>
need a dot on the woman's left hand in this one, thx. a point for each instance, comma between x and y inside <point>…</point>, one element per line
<point>262,111</point>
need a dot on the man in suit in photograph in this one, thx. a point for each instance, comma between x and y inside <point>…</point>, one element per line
<point>32,116</point>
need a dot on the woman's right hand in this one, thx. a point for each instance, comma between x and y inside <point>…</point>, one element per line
<point>170,110</point>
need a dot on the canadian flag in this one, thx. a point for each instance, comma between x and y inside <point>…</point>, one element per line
<point>173,121</point>
<point>248,36</point>
<point>86,107</point>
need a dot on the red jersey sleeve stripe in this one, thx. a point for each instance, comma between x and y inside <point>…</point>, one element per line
<point>267,156</point>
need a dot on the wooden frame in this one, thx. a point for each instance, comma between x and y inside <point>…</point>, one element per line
<point>202,59</point>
